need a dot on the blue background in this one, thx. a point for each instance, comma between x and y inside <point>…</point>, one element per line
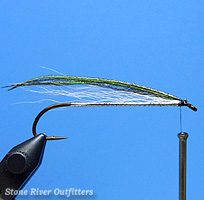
<point>119,152</point>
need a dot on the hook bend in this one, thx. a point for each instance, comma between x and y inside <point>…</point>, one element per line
<point>42,113</point>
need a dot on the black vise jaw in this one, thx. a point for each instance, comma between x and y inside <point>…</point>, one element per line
<point>19,165</point>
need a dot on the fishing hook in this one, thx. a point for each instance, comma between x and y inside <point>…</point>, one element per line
<point>182,103</point>
<point>42,113</point>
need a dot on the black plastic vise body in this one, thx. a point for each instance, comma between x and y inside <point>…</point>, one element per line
<point>19,165</point>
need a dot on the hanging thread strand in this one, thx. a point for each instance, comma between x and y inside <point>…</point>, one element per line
<point>181,128</point>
